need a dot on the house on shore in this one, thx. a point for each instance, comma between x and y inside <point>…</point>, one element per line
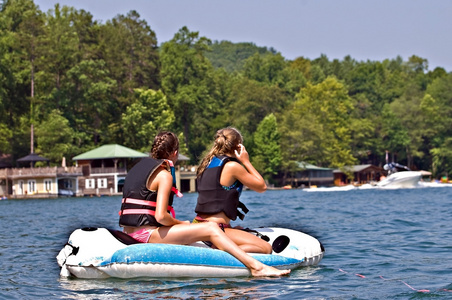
<point>185,175</point>
<point>104,169</point>
<point>101,171</point>
<point>36,182</point>
<point>41,182</point>
<point>361,174</point>
<point>309,175</point>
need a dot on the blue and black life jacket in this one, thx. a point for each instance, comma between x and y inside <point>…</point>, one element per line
<point>213,197</point>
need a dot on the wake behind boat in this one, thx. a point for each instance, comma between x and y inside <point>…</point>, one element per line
<point>103,253</point>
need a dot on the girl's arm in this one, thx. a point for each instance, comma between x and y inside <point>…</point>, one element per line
<point>245,173</point>
<point>163,183</point>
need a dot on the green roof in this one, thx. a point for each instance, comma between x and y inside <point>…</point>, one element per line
<point>307,166</point>
<point>110,151</point>
<point>356,168</point>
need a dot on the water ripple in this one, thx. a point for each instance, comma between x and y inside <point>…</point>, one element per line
<point>403,236</point>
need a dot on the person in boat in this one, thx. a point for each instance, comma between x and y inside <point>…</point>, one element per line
<point>393,167</point>
<point>220,179</point>
<point>147,214</point>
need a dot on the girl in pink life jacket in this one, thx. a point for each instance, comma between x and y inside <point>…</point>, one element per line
<point>151,221</point>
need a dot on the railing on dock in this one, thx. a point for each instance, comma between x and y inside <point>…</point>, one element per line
<point>41,172</point>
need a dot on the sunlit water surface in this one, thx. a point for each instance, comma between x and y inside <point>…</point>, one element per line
<point>380,244</point>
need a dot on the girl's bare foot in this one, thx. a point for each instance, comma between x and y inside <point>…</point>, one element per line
<point>269,271</point>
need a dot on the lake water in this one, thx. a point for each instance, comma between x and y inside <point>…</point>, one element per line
<point>380,244</point>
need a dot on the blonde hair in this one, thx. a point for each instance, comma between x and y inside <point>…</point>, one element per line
<point>226,141</point>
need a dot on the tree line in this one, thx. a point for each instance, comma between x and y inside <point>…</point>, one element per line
<point>83,83</point>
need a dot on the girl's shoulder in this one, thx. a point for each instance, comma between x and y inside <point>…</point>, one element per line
<point>163,172</point>
<point>233,165</point>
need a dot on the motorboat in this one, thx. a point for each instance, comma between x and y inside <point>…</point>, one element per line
<point>400,179</point>
<point>65,192</point>
<point>404,179</point>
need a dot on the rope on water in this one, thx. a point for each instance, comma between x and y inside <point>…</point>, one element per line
<point>359,275</point>
<point>419,291</point>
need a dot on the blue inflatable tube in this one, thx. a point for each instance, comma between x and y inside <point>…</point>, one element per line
<point>99,253</point>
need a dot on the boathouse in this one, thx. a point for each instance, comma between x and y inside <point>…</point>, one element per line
<point>101,171</point>
<point>309,175</point>
<point>37,182</point>
<point>104,169</point>
<point>361,174</point>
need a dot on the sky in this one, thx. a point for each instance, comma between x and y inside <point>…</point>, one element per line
<point>364,29</point>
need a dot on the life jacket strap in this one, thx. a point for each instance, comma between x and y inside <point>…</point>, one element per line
<point>177,192</point>
<point>243,207</point>
<point>245,210</point>
<point>173,173</point>
<point>131,211</point>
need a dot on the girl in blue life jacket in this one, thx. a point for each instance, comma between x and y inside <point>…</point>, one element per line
<point>220,178</point>
<point>147,214</point>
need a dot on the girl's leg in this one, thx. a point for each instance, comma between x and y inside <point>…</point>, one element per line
<point>209,231</point>
<point>248,242</point>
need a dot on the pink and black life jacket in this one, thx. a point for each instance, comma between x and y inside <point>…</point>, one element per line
<point>139,203</point>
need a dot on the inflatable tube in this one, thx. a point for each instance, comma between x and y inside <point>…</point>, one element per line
<point>103,253</point>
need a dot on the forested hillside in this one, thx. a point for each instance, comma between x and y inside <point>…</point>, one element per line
<point>82,84</point>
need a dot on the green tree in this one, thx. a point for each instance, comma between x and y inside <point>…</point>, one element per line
<point>377,82</point>
<point>87,31</point>
<point>442,158</point>
<point>250,101</point>
<point>189,82</point>
<point>267,152</point>
<point>232,56</point>
<point>292,79</point>
<point>55,137</point>
<point>366,144</point>
<point>437,108</point>
<point>6,76</point>
<point>129,47</point>
<point>87,91</point>
<point>15,19</point>
<point>321,115</point>
<point>29,36</point>
<point>20,141</point>
<point>264,68</point>
<point>408,110</point>
<point>220,112</point>
<point>5,138</point>
<point>144,118</point>
<point>394,135</point>
<point>303,65</point>
<point>300,138</point>
<point>59,56</point>
<point>21,26</point>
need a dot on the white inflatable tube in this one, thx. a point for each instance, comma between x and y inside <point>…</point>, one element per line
<point>102,253</point>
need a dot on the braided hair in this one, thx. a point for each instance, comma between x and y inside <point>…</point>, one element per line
<point>165,143</point>
<point>226,141</point>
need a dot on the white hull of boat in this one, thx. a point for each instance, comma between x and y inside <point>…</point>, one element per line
<point>405,179</point>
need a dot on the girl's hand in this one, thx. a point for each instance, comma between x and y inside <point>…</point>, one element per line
<point>241,155</point>
<point>244,172</point>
